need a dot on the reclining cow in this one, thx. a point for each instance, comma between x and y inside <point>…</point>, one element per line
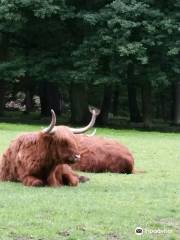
<point>99,154</point>
<point>103,155</point>
<point>31,157</point>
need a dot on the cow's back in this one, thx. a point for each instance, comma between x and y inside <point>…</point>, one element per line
<point>101,155</point>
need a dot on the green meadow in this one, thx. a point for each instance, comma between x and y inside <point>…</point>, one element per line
<point>109,206</point>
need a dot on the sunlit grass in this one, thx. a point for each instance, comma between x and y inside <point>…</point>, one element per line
<point>109,206</point>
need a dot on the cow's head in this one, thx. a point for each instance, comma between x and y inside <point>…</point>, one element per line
<point>64,145</point>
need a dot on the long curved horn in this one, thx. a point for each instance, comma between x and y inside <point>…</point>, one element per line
<point>95,112</point>
<point>52,124</point>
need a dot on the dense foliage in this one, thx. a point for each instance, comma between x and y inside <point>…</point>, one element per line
<point>50,44</point>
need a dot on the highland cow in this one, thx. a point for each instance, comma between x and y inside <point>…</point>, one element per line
<point>32,156</point>
<point>103,155</point>
<point>99,154</point>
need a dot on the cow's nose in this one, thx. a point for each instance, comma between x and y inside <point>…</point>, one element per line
<point>77,157</point>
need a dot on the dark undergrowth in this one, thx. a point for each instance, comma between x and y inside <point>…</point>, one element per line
<point>34,118</point>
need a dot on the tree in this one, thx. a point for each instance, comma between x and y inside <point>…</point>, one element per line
<point>38,37</point>
<point>3,59</point>
<point>106,104</point>
<point>79,44</point>
<point>79,103</point>
<point>139,34</point>
<point>115,104</point>
<point>177,104</point>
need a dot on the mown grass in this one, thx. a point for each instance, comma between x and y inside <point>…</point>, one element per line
<point>109,206</point>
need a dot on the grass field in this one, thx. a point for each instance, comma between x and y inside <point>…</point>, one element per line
<point>109,206</point>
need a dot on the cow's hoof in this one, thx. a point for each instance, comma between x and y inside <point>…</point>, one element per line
<point>32,181</point>
<point>74,181</point>
<point>83,179</point>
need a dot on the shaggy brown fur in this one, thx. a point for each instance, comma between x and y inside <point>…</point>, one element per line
<point>103,155</point>
<point>30,157</point>
<point>63,174</point>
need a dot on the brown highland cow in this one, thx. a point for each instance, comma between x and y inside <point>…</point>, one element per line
<point>103,155</point>
<point>32,157</point>
<point>99,154</point>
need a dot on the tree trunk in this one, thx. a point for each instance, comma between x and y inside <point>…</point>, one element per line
<point>147,105</point>
<point>2,96</point>
<point>49,98</point>
<point>132,95</point>
<point>172,112</point>
<point>115,101</point>
<point>3,57</point>
<point>3,47</point>
<point>43,99</point>
<point>29,87</point>
<point>177,104</point>
<point>29,101</point>
<point>166,103</point>
<point>106,105</point>
<point>163,112</point>
<point>79,103</point>
<point>133,105</point>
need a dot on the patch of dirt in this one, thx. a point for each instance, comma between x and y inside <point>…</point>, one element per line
<point>64,233</point>
<point>112,236</point>
<point>15,236</point>
<point>171,223</point>
<point>81,228</point>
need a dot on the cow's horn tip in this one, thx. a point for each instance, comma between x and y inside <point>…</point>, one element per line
<point>93,109</point>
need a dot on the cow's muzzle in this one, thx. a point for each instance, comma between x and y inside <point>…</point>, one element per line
<point>77,157</point>
<point>74,158</point>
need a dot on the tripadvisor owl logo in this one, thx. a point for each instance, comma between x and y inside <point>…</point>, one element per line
<point>138,231</point>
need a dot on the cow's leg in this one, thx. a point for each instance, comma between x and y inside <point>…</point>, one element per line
<point>32,181</point>
<point>70,179</point>
<point>62,174</point>
<point>55,177</point>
